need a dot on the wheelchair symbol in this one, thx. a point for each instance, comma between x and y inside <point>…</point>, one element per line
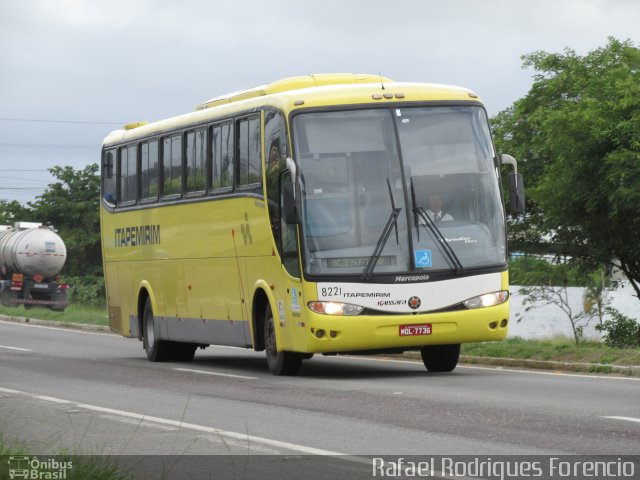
<point>423,258</point>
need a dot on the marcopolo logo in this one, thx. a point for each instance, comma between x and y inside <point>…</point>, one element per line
<point>35,469</point>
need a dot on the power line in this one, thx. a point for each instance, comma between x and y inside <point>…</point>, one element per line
<point>45,145</point>
<point>86,122</point>
<point>20,170</point>
<point>39,180</point>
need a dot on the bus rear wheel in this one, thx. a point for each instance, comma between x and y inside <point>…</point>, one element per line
<point>157,350</point>
<point>440,358</point>
<point>280,363</point>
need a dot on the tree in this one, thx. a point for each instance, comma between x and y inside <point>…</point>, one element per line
<point>530,270</point>
<point>577,134</point>
<point>12,212</point>
<point>71,205</point>
<point>594,297</point>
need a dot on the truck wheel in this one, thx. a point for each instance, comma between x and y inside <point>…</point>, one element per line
<point>61,297</point>
<point>280,363</point>
<point>7,297</point>
<point>157,350</point>
<point>440,358</point>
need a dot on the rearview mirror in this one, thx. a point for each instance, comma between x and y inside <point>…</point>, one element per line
<point>288,199</point>
<point>516,192</point>
<point>516,184</point>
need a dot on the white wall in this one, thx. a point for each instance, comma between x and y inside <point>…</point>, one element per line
<point>550,321</point>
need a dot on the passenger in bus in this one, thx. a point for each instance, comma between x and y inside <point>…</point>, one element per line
<point>435,211</point>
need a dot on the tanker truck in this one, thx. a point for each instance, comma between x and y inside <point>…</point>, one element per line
<point>31,257</point>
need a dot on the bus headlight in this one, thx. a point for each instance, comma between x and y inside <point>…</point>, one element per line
<point>335,308</point>
<point>487,300</point>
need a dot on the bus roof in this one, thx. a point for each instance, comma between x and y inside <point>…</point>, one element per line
<point>296,83</point>
<point>299,92</point>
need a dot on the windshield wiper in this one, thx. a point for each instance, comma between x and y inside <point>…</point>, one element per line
<point>382,241</point>
<point>419,212</point>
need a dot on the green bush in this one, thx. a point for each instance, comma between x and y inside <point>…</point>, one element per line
<point>621,331</point>
<point>86,290</point>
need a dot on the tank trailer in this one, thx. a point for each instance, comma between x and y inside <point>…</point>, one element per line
<point>31,257</point>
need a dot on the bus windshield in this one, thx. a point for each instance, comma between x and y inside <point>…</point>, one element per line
<point>432,165</point>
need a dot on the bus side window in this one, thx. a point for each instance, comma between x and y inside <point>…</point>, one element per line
<point>249,159</point>
<point>149,170</point>
<point>172,165</point>
<point>132,173</point>
<point>108,177</point>
<point>196,157</point>
<point>127,174</point>
<point>221,156</point>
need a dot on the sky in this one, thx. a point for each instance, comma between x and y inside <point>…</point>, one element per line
<point>71,71</point>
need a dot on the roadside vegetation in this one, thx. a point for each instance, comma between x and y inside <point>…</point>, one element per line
<point>558,349</point>
<point>83,466</point>
<point>74,313</point>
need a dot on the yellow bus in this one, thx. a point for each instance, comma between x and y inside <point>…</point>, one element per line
<point>330,214</point>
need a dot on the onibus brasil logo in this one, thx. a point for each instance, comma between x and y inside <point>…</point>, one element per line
<point>34,469</point>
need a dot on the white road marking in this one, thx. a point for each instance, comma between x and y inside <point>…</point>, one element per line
<point>137,423</point>
<point>16,349</point>
<point>8,390</point>
<point>553,373</point>
<point>51,399</point>
<point>626,419</point>
<point>248,439</point>
<point>493,369</point>
<point>217,431</point>
<point>218,374</point>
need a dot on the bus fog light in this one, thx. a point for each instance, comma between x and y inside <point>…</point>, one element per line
<point>487,300</point>
<point>335,308</point>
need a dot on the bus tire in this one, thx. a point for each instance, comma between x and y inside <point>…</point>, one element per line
<point>183,352</point>
<point>440,358</point>
<point>279,363</point>
<point>157,350</point>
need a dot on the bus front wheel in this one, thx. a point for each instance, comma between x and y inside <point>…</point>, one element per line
<point>183,352</point>
<point>280,363</point>
<point>440,358</point>
<point>157,350</point>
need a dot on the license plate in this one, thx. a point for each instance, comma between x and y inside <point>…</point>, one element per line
<point>40,285</point>
<point>412,330</point>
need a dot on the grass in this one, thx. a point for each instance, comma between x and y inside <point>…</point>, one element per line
<point>83,467</point>
<point>557,349</point>
<point>74,313</point>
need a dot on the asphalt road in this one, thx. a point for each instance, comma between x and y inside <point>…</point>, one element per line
<point>96,393</point>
